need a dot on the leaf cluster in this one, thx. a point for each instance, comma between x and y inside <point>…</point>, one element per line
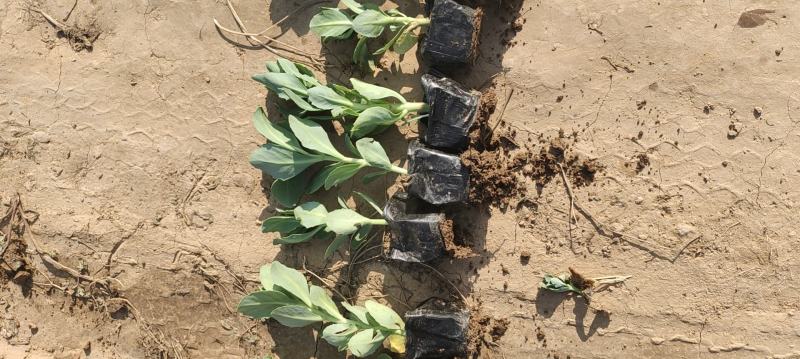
<point>295,146</point>
<point>373,107</point>
<point>287,297</point>
<point>367,21</point>
<point>312,219</point>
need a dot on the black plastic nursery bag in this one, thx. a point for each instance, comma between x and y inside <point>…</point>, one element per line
<point>436,177</point>
<point>452,37</point>
<point>437,329</point>
<point>452,113</point>
<point>416,235</point>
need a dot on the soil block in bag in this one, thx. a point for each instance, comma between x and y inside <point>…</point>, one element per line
<point>452,112</point>
<point>437,329</point>
<point>452,36</point>
<point>415,228</point>
<point>436,177</point>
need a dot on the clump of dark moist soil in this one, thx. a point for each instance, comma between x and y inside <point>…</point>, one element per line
<point>547,164</point>
<point>493,179</point>
<point>484,331</point>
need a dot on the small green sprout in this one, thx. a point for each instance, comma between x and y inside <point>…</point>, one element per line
<point>577,284</point>
<point>368,21</point>
<point>294,147</point>
<point>312,219</point>
<point>287,297</point>
<point>374,108</point>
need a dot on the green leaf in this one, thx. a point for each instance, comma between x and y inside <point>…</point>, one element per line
<point>300,102</point>
<point>298,237</point>
<point>266,277</point>
<point>384,315</point>
<point>365,342</point>
<point>295,316</point>
<point>335,244</point>
<point>362,234</point>
<point>262,304</point>
<point>338,334</point>
<point>358,313</point>
<point>343,221</point>
<point>319,179</point>
<point>299,71</point>
<point>288,192</point>
<point>281,163</point>
<point>373,153</point>
<point>341,173</point>
<point>374,92</point>
<point>311,214</point>
<point>281,82</point>
<point>405,41</point>
<point>331,23</point>
<point>325,98</point>
<point>370,177</point>
<point>353,5</point>
<point>313,136</point>
<point>371,119</point>
<point>557,284</point>
<point>273,66</point>
<point>361,53</point>
<point>278,135</point>
<point>370,201</point>
<point>394,39</point>
<point>350,147</point>
<point>280,224</point>
<point>322,301</point>
<point>290,280</point>
<point>370,23</point>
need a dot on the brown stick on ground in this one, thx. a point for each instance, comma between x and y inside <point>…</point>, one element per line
<point>570,217</point>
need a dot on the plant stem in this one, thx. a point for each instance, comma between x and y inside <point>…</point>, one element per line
<point>364,163</point>
<point>377,222</point>
<point>411,107</point>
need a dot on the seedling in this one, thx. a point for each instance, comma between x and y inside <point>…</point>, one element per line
<point>373,107</point>
<point>292,149</point>
<point>578,284</point>
<point>312,219</point>
<point>368,21</point>
<point>288,298</point>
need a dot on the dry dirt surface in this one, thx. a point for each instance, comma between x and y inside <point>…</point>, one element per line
<point>669,131</point>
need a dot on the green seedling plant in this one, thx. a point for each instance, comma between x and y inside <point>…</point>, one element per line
<point>374,108</point>
<point>288,298</point>
<point>368,21</point>
<point>312,219</point>
<point>573,282</point>
<point>293,147</point>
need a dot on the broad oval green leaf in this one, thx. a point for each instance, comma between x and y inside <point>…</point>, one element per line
<point>300,102</point>
<point>371,119</point>
<point>311,214</point>
<point>319,179</point>
<point>281,163</point>
<point>341,173</point>
<point>262,304</point>
<point>298,237</point>
<point>322,301</point>
<point>288,192</point>
<point>290,280</point>
<point>295,316</point>
<point>370,177</point>
<point>358,313</point>
<point>338,334</point>
<point>375,92</point>
<point>384,315</point>
<point>343,221</point>
<point>331,23</point>
<point>281,82</point>
<point>365,342</point>
<point>313,136</point>
<point>370,23</point>
<point>280,224</point>
<point>276,134</point>
<point>298,71</point>
<point>372,152</point>
<point>335,244</point>
<point>325,98</point>
<point>405,41</point>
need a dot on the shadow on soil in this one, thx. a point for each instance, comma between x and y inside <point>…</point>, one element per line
<point>548,302</point>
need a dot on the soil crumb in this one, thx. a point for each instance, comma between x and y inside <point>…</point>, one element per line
<point>492,169</point>
<point>454,249</point>
<point>642,162</point>
<point>484,330</point>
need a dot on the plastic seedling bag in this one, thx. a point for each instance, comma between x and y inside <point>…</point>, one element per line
<point>436,177</point>
<point>452,36</point>
<point>436,329</point>
<point>415,229</point>
<point>452,112</point>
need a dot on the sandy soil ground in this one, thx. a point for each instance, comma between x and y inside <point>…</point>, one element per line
<point>127,144</point>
